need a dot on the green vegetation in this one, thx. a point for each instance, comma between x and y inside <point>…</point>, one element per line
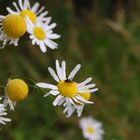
<point>104,36</point>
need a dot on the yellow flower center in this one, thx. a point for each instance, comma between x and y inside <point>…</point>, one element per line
<point>86,95</point>
<point>39,33</point>
<point>30,14</point>
<point>90,130</point>
<point>14,26</point>
<point>67,88</point>
<point>16,89</point>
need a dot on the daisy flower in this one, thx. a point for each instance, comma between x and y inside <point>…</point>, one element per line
<point>23,8</point>
<point>3,120</point>
<point>42,34</point>
<point>11,31</point>
<point>16,90</point>
<point>92,129</point>
<point>67,90</point>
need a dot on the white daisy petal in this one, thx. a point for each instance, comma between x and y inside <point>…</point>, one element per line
<point>53,43</point>
<point>31,36</point>
<point>41,9</point>
<point>54,36</point>
<point>30,25</point>
<point>10,10</point>
<point>74,71</point>
<point>20,4</point>
<point>87,87</point>
<point>68,104</point>
<point>58,98</point>
<point>18,10</point>
<point>47,94</point>
<point>92,90</point>
<point>63,69</point>
<point>44,85</point>
<point>49,44</point>
<point>58,69</point>
<point>26,4</point>
<point>54,92</point>
<point>65,110</point>
<point>53,74</point>
<point>3,113</point>
<point>35,7</point>
<point>47,20</point>
<point>33,42</point>
<point>51,26</point>
<point>8,101</point>
<point>83,100</point>
<point>61,101</point>
<point>85,82</point>
<point>43,47</point>
<point>77,101</point>
<point>3,120</point>
<point>43,14</point>
<point>79,110</point>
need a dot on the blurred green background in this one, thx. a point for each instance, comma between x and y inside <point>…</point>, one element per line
<point>102,35</point>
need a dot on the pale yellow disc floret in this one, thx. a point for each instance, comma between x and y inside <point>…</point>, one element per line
<point>14,26</point>
<point>67,88</point>
<point>17,89</point>
<point>39,33</point>
<point>30,14</point>
<point>90,130</point>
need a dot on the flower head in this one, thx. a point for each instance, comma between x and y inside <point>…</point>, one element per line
<point>67,91</point>
<point>12,27</point>
<point>42,34</point>
<point>16,90</point>
<point>3,112</point>
<point>91,128</point>
<point>23,8</point>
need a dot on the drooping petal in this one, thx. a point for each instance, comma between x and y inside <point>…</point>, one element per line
<point>43,47</point>
<point>57,100</point>
<point>80,98</point>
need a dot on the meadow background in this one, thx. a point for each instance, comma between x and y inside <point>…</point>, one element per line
<point>102,35</point>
